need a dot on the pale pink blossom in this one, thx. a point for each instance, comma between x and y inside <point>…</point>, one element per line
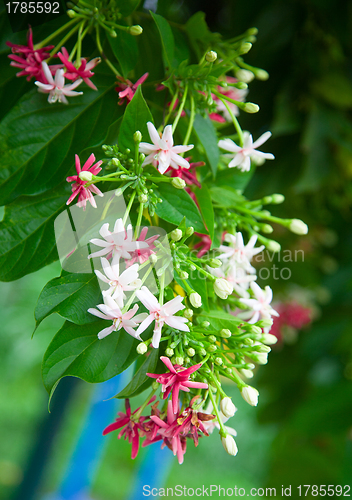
<point>161,314</point>
<point>141,255</point>
<point>232,93</point>
<point>57,89</point>
<point>238,252</point>
<point>80,187</point>
<point>162,153</point>
<point>127,89</point>
<point>260,307</point>
<point>244,154</point>
<point>111,311</point>
<point>118,283</point>
<point>119,243</point>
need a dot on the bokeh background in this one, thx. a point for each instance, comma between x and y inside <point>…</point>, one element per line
<point>301,432</point>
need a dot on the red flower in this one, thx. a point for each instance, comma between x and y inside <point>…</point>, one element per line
<point>203,245</point>
<point>84,71</point>
<point>29,60</point>
<point>127,89</point>
<point>80,187</point>
<point>176,380</point>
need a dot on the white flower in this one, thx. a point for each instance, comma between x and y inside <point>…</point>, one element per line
<point>244,154</point>
<point>227,407</point>
<point>222,288</point>
<point>118,243</point>
<point>250,394</point>
<point>111,311</point>
<point>119,283</point>
<point>238,252</point>
<point>229,445</point>
<point>161,314</point>
<point>260,305</point>
<point>56,88</point>
<point>162,153</point>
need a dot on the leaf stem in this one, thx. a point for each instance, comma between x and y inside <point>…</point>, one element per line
<point>182,105</point>
<point>128,209</point>
<point>55,34</point>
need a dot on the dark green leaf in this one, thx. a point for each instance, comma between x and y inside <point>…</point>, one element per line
<point>234,178</point>
<point>176,205</point>
<point>226,196</point>
<point>167,40</point>
<point>27,240</point>
<point>39,140</point>
<point>206,134</point>
<point>140,382</point>
<point>70,296</point>
<point>125,49</point>
<point>206,208</point>
<point>76,351</point>
<point>221,319</point>
<point>136,116</point>
<point>126,7</point>
<point>199,284</point>
<point>197,27</point>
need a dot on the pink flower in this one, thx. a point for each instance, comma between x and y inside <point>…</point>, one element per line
<point>127,89</point>
<point>84,71</point>
<point>162,153</point>
<point>161,314</point>
<point>80,187</point>
<point>243,155</point>
<point>29,60</point>
<point>260,307</point>
<point>232,93</point>
<point>111,311</point>
<point>57,89</point>
<point>142,254</point>
<point>176,380</point>
<point>131,428</point>
<point>203,245</point>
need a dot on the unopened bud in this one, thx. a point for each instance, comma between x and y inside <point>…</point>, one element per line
<point>202,352</point>
<point>267,229</point>
<point>254,329</point>
<point>229,445</point>
<point>227,407</point>
<point>212,338</point>
<point>155,385</point>
<point>215,263</point>
<point>184,275</point>
<point>244,75</point>
<point>169,352</point>
<point>212,348</point>
<point>195,299</point>
<point>250,394</point>
<point>136,30</point>
<point>261,358</point>
<point>118,192</point>
<point>113,33</point>
<point>241,85</point>
<point>188,313</point>
<point>261,74</point>
<point>225,333</point>
<point>85,176</point>
<point>142,198</point>
<point>142,348</point>
<point>211,56</point>
<point>245,47</point>
<point>178,183</point>
<point>273,246</point>
<point>277,198</point>
<point>265,323</point>
<point>137,136</point>
<point>268,339</point>
<point>191,352</point>
<point>179,360</point>
<point>222,288</point>
<point>250,107</point>
<point>246,373</point>
<point>218,361</point>
<point>205,324</point>
<point>176,234</point>
<point>252,31</point>
<point>71,13</point>
<point>189,231</point>
<point>297,226</point>
<point>187,360</point>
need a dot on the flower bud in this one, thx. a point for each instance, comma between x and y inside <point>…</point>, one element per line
<point>263,348</point>
<point>191,352</point>
<point>187,360</point>
<point>245,48</point>
<point>176,234</point>
<point>227,407</point>
<point>229,445</point>
<point>178,183</point>
<point>205,324</point>
<point>260,357</point>
<point>215,263</point>
<point>241,85</point>
<point>153,258</point>
<point>142,198</point>
<point>268,339</point>
<point>118,192</point>
<point>298,227</point>
<point>244,75</point>
<point>179,360</point>
<point>212,348</point>
<point>212,338</point>
<point>265,323</point>
<point>277,198</point>
<point>142,348</point>
<point>195,299</point>
<point>254,329</point>
<point>252,31</point>
<point>136,30</point>
<point>85,176</point>
<point>267,229</point>
<point>169,352</point>
<point>246,373</point>
<point>225,333</point>
<point>71,13</point>
<point>155,385</point>
<point>218,361</point>
<point>211,56</point>
<point>184,275</point>
<point>273,246</point>
<point>250,394</point>
<point>137,136</point>
<point>250,107</point>
<point>202,352</point>
<point>222,288</point>
<point>189,231</point>
<point>188,313</point>
<point>113,33</point>
<point>261,74</point>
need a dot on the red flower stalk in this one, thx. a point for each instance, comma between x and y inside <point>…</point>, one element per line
<point>29,60</point>
<point>84,71</point>
<point>177,380</point>
<point>127,89</point>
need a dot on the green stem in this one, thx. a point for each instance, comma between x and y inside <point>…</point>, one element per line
<point>79,44</point>
<point>139,220</point>
<point>128,209</point>
<point>191,122</point>
<point>63,41</point>
<point>222,432</point>
<point>55,34</point>
<point>208,275</point>
<point>233,118</point>
<point>100,48</point>
<point>182,105</point>
<point>162,286</point>
<point>144,405</point>
<point>171,108</point>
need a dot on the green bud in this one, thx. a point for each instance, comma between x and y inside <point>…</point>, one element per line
<point>71,13</point>
<point>142,198</point>
<point>205,324</point>
<point>241,85</point>
<point>255,329</point>
<point>118,192</point>
<point>176,234</point>
<point>187,360</point>
<point>136,30</point>
<point>155,385</point>
<point>202,352</point>
<point>245,47</point>
<point>218,361</point>
<point>212,338</point>
<point>252,31</point>
<point>115,162</point>
<point>85,176</point>
<point>184,275</point>
<point>195,299</point>
<point>137,136</point>
<point>113,33</point>
<point>189,231</point>
<point>261,74</point>
<point>211,56</point>
<point>228,370</point>
<point>267,200</point>
<point>278,198</point>
<point>180,360</point>
<point>191,352</point>
<point>267,229</point>
<point>297,226</point>
<point>178,183</point>
<point>212,348</point>
<point>225,333</point>
<point>169,352</point>
<point>188,313</point>
<point>250,107</point>
<point>142,348</point>
<point>215,263</point>
<point>273,246</point>
<point>265,323</point>
<point>153,258</point>
<point>244,75</point>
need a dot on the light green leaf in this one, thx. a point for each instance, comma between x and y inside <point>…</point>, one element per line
<point>167,40</point>
<point>221,319</point>
<point>206,134</point>
<point>206,208</point>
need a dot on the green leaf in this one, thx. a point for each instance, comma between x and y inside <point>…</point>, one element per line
<point>198,284</point>
<point>226,196</point>
<point>167,40</point>
<point>221,319</point>
<point>125,49</point>
<point>127,7</point>
<point>39,140</point>
<point>70,296</point>
<point>140,382</point>
<point>76,351</point>
<point>27,239</point>
<point>197,27</point>
<point>136,117</point>
<point>206,208</point>
<point>207,136</point>
<point>176,205</point>
<point>234,178</point>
